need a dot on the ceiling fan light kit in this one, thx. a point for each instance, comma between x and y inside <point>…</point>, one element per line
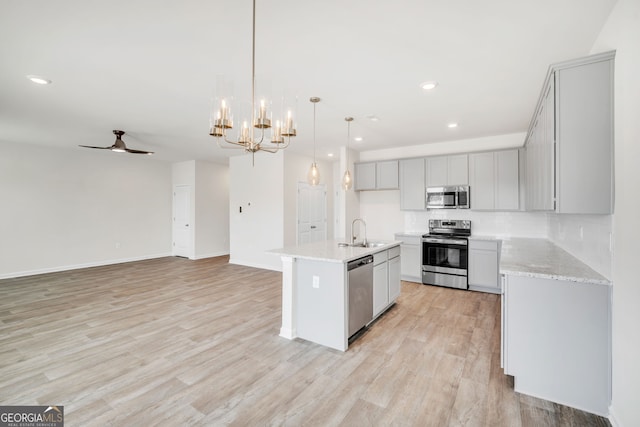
<point>119,145</point>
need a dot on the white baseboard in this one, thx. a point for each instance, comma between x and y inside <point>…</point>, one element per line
<point>78,266</point>
<point>254,265</point>
<point>211,255</point>
<point>612,418</point>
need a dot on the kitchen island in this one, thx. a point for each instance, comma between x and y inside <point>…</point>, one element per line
<point>315,303</point>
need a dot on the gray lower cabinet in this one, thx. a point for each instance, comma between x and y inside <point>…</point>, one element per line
<point>411,260</point>
<point>386,279</point>
<point>380,282</point>
<point>555,348</point>
<point>483,263</point>
<point>394,275</point>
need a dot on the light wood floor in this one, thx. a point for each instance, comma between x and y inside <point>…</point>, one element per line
<point>175,342</point>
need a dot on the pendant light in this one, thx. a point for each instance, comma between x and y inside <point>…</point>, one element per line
<point>313,177</point>
<point>346,178</point>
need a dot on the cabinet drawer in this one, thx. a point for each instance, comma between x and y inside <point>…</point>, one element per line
<point>394,252</point>
<point>487,245</point>
<point>380,257</point>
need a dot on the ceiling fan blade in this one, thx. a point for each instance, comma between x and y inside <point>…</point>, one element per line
<point>99,148</point>
<point>130,150</point>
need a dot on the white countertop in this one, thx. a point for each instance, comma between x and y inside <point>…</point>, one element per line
<point>411,233</point>
<point>329,251</point>
<point>541,258</point>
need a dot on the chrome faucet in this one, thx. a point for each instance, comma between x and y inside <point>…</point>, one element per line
<point>353,236</point>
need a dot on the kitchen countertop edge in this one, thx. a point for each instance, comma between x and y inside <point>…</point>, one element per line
<point>329,251</point>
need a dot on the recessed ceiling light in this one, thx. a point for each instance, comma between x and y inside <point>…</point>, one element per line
<point>358,139</point>
<point>452,125</point>
<point>429,85</point>
<point>330,154</point>
<point>373,118</point>
<point>39,80</point>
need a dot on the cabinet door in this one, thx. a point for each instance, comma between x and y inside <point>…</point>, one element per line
<point>483,268</point>
<point>394,278</point>
<point>556,348</point>
<point>380,287</point>
<point>436,173</point>
<point>585,135</point>
<point>547,141</point>
<point>458,169</point>
<point>365,176</point>
<point>412,184</point>
<point>481,181</point>
<point>411,263</point>
<point>507,185</point>
<point>387,175</point>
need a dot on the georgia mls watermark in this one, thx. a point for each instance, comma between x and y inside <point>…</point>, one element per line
<point>31,416</point>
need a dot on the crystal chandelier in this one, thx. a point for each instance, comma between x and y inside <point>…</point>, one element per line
<point>346,178</point>
<point>252,138</point>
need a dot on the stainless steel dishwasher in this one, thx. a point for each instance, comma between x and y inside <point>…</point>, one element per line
<point>360,282</point>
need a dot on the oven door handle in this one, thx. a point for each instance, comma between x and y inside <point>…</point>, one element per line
<point>444,241</point>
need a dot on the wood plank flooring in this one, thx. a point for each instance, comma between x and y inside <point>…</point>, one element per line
<point>176,342</point>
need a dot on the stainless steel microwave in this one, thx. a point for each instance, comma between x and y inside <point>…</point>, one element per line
<point>450,197</point>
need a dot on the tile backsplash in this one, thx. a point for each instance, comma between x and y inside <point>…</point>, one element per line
<point>498,224</point>
<point>587,237</point>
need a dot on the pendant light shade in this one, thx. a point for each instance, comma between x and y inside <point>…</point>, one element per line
<point>313,176</point>
<point>347,182</point>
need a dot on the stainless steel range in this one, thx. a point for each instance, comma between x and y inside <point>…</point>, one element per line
<point>445,253</point>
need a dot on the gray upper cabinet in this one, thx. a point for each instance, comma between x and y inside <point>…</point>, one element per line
<point>447,170</point>
<point>494,180</point>
<point>387,175</point>
<point>376,175</point>
<point>412,181</point>
<point>507,180</point>
<point>569,146</point>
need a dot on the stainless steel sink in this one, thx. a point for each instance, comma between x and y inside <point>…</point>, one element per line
<point>362,245</point>
<point>374,244</point>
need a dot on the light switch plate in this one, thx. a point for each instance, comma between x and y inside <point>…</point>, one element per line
<point>316,282</point>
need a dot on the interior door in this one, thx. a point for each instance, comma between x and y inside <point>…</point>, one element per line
<point>181,221</point>
<point>312,213</point>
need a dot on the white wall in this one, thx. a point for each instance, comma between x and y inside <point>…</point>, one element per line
<point>259,191</point>
<point>347,201</point>
<point>211,209</point>
<point>496,142</point>
<point>587,237</point>
<point>66,209</point>
<point>622,32</point>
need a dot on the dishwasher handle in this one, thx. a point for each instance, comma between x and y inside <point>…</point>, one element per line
<point>359,262</point>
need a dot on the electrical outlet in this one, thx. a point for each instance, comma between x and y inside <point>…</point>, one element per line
<point>316,282</point>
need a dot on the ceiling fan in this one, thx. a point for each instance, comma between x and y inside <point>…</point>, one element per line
<point>119,146</point>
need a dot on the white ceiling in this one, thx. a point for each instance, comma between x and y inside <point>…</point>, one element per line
<point>149,67</point>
